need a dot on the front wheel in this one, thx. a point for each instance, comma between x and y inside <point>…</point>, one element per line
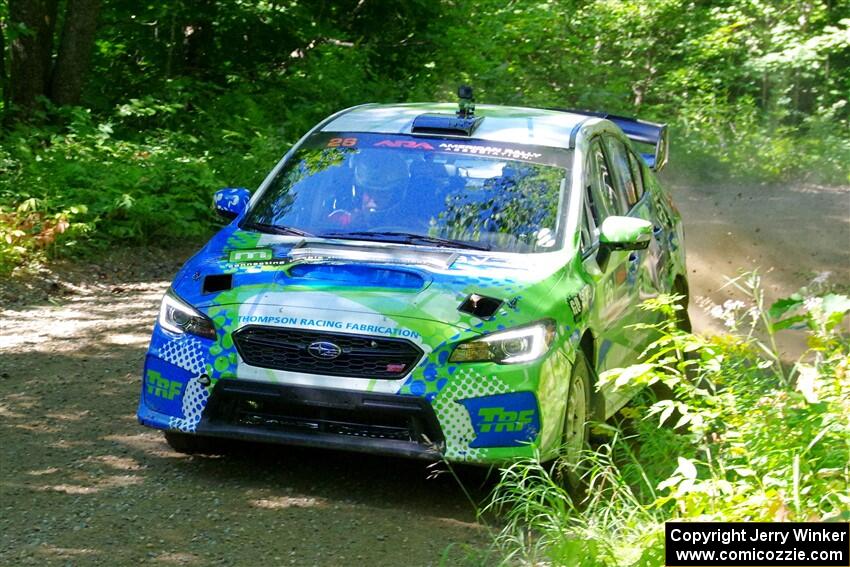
<point>576,421</point>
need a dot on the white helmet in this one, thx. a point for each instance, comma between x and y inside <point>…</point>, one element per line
<point>382,175</point>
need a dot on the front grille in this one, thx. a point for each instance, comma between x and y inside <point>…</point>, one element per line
<point>329,420</point>
<point>359,356</point>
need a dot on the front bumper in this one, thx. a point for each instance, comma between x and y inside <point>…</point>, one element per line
<point>336,419</point>
<point>473,413</point>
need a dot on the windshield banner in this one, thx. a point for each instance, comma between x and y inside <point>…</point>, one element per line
<point>478,148</point>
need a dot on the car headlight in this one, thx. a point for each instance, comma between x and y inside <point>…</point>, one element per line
<point>177,316</point>
<point>506,347</point>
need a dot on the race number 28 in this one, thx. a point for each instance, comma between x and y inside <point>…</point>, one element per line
<point>342,142</point>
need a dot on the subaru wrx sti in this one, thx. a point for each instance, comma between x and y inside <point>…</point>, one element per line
<point>419,280</point>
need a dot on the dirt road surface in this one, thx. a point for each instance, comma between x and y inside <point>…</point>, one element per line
<point>790,234</point>
<point>82,484</point>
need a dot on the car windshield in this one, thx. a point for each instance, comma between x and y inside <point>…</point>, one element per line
<point>417,190</point>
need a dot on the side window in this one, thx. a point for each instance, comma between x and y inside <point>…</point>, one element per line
<point>622,174</point>
<point>603,197</point>
<point>637,174</point>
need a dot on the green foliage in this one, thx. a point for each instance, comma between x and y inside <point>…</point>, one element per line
<point>743,439</point>
<point>108,190</point>
<point>26,231</point>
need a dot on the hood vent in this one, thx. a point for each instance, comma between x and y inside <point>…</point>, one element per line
<point>481,306</point>
<point>355,275</point>
<point>216,283</point>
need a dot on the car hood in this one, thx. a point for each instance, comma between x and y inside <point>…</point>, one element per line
<point>428,283</point>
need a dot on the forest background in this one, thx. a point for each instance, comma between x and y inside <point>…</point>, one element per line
<point>120,118</point>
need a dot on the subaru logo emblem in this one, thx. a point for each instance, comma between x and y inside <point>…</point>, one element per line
<point>324,350</point>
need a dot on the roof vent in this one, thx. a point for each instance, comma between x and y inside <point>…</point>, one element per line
<point>444,124</point>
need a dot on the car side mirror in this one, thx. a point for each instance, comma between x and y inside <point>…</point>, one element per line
<point>230,202</point>
<point>625,233</point>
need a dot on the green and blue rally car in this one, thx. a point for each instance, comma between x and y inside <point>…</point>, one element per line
<point>418,280</point>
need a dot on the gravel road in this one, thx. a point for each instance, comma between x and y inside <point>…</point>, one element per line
<point>82,484</point>
<point>790,233</point>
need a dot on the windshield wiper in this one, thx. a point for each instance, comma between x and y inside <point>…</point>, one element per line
<point>404,238</point>
<point>275,229</point>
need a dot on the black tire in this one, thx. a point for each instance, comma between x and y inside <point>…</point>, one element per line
<point>192,444</point>
<point>575,436</point>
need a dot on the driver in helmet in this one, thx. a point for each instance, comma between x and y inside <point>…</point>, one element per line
<point>381,181</point>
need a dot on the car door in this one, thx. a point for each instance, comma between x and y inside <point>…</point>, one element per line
<point>651,208</point>
<point>614,295</point>
<point>646,266</point>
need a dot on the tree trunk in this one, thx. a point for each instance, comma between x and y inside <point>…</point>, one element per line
<point>199,38</point>
<point>31,51</point>
<point>75,49</point>
<point>172,41</point>
<point>4,78</point>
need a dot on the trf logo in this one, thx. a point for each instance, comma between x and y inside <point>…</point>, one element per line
<point>162,387</point>
<point>497,420</point>
<point>503,420</point>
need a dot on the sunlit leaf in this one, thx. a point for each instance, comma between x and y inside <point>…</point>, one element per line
<point>687,468</point>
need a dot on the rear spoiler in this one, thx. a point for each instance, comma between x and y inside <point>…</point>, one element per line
<point>638,131</point>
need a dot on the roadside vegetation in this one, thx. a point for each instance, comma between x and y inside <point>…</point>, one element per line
<point>117,131</point>
<point>744,437</point>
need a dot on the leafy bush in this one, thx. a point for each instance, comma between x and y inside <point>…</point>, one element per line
<point>715,140</point>
<point>26,232</point>
<point>745,438</point>
<point>89,182</point>
<point>103,188</point>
